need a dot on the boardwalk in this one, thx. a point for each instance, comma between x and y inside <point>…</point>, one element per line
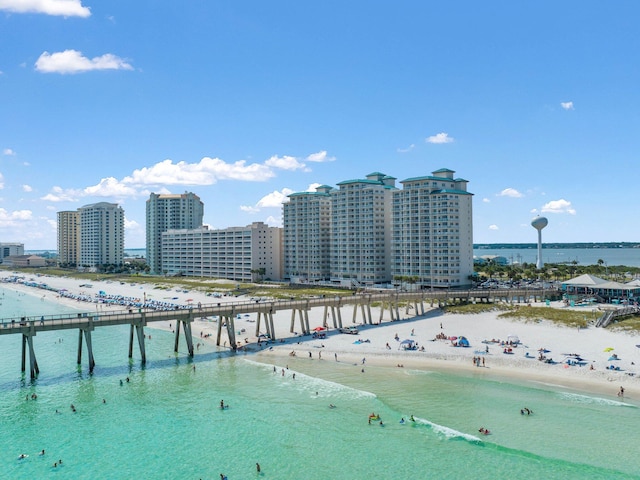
<point>183,317</point>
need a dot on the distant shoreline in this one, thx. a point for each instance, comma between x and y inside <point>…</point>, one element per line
<point>577,245</point>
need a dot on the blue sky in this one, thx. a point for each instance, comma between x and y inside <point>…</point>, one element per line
<point>534,103</point>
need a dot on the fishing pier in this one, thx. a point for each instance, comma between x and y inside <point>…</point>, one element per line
<point>226,313</point>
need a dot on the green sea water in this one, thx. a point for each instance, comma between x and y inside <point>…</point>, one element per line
<point>165,423</point>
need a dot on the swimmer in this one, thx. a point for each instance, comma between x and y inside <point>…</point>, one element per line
<point>402,420</point>
<point>42,452</point>
<point>258,467</point>
<point>22,456</point>
<point>412,419</point>
<point>331,405</point>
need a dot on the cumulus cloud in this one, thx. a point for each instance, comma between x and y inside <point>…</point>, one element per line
<point>8,151</point>
<point>166,173</point>
<point>320,157</point>
<point>493,227</point>
<point>249,209</point>
<point>110,187</point>
<point>440,138</point>
<point>59,194</point>
<point>567,105</point>
<point>285,163</point>
<point>72,61</point>
<point>486,200</point>
<point>274,199</point>
<point>558,206</point>
<point>66,8</point>
<point>273,221</point>
<point>27,188</point>
<point>510,192</point>
<point>206,172</point>
<point>131,224</point>
<point>405,150</point>
<point>1,181</point>
<point>12,219</point>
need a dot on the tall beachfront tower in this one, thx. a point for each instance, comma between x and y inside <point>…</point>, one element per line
<point>539,223</point>
<point>101,234</point>
<point>69,238</point>
<point>169,212</point>
<point>432,240</point>
<point>361,230</point>
<point>307,235</point>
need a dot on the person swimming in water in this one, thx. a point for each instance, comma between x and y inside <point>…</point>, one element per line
<point>22,456</point>
<point>412,419</point>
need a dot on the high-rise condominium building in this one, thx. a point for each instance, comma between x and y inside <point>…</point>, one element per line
<point>169,212</point>
<point>360,230</point>
<point>432,225</point>
<point>241,254</point>
<point>307,236</point>
<point>69,238</point>
<point>419,235</point>
<point>101,234</point>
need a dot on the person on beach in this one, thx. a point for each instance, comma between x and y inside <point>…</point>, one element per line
<point>621,392</point>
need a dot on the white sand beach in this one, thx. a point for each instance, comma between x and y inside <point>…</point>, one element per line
<point>593,345</point>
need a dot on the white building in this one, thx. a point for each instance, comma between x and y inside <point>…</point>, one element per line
<point>433,231</point>
<point>101,234</point>
<point>361,230</point>
<point>69,238</point>
<point>307,235</point>
<point>169,212</point>
<point>242,254</point>
<point>9,249</point>
<point>371,232</point>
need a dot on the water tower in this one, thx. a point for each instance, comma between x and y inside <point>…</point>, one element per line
<point>539,223</point>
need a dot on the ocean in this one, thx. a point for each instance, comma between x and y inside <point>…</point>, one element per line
<point>165,422</point>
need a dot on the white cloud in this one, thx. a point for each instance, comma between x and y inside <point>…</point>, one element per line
<point>131,224</point>
<point>249,209</point>
<point>1,181</point>
<point>510,192</point>
<point>13,219</point>
<point>60,195</point>
<point>8,151</point>
<point>109,187</point>
<point>27,188</point>
<point>274,199</point>
<point>486,200</point>
<point>408,149</point>
<point>493,227</point>
<point>206,172</point>
<point>66,8</point>
<point>320,157</point>
<point>72,61</point>
<point>439,138</point>
<point>273,221</point>
<point>567,105</point>
<point>558,206</point>
<point>285,163</point>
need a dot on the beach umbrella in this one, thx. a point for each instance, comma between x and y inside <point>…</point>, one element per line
<point>609,349</point>
<point>318,329</point>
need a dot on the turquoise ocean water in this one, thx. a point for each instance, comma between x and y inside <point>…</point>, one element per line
<point>165,423</point>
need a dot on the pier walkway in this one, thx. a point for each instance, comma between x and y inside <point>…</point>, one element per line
<point>137,319</point>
